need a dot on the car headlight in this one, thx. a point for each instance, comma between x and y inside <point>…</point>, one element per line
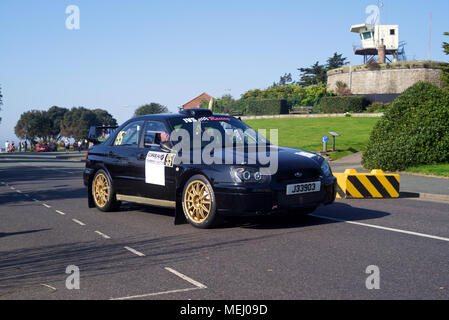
<point>247,175</point>
<point>325,168</point>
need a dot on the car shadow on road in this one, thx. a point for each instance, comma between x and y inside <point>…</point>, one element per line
<point>339,211</point>
<point>336,211</point>
<point>9,234</point>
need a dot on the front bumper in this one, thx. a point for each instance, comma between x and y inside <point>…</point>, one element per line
<point>243,201</point>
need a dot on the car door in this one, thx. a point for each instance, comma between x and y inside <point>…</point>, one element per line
<point>122,154</point>
<point>155,169</point>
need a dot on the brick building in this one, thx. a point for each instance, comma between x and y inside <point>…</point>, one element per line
<point>197,101</point>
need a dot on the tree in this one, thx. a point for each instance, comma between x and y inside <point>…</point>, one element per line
<point>32,125</point>
<point>77,121</point>
<point>445,74</point>
<point>337,61</point>
<point>104,118</point>
<point>313,75</point>
<point>317,73</point>
<point>56,116</point>
<point>225,104</point>
<point>284,80</point>
<point>151,108</point>
<point>446,45</point>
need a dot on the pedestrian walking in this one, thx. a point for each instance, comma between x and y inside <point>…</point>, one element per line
<point>25,146</point>
<point>20,146</point>
<point>79,145</point>
<point>67,145</point>
<point>7,146</point>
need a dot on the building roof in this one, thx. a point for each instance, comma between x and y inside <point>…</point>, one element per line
<point>196,102</point>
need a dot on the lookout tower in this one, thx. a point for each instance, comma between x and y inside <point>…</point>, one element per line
<point>378,40</point>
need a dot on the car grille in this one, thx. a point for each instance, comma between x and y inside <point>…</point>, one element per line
<point>288,176</point>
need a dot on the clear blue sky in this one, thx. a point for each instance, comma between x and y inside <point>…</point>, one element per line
<point>128,53</point>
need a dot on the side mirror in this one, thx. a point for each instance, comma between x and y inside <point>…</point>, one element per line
<point>164,141</point>
<point>166,146</point>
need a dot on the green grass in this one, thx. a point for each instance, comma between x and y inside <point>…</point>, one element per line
<point>431,169</point>
<point>307,133</point>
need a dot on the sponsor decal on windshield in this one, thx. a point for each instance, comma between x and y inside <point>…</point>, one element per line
<point>190,120</point>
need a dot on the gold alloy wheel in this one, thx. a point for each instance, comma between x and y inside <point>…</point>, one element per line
<point>101,190</point>
<point>197,201</point>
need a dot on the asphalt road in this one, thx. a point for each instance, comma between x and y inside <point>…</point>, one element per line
<point>138,253</point>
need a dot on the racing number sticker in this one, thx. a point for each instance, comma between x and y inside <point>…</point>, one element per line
<point>155,164</point>
<point>169,159</point>
<point>119,139</point>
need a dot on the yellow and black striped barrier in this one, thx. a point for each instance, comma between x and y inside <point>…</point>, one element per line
<point>353,185</point>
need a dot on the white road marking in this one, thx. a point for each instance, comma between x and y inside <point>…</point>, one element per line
<point>48,286</point>
<point>103,235</point>
<point>18,191</point>
<point>140,254</point>
<point>35,200</point>
<point>385,228</point>
<point>46,205</point>
<point>60,212</point>
<point>156,294</point>
<point>186,278</point>
<point>26,195</point>
<point>79,222</point>
<point>197,285</point>
<point>12,188</point>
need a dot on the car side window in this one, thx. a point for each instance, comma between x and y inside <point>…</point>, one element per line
<point>129,136</point>
<point>155,132</point>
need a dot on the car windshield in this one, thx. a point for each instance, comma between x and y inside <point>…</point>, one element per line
<point>222,129</point>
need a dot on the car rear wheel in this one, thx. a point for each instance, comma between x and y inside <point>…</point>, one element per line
<point>198,202</point>
<point>103,193</point>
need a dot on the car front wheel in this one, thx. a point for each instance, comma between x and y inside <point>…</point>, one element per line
<point>198,202</point>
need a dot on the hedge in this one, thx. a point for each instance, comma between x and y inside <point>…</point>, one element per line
<point>267,107</point>
<point>342,104</point>
<point>413,131</point>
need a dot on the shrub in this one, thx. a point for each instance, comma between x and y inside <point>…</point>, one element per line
<point>378,107</point>
<point>342,104</point>
<point>413,131</point>
<point>267,107</point>
<point>372,65</point>
<point>342,88</point>
<point>317,108</point>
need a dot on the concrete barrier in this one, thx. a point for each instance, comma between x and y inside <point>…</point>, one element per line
<point>374,185</point>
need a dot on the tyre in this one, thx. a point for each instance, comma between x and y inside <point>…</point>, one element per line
<point>103,192</point>
<point>198,202</point>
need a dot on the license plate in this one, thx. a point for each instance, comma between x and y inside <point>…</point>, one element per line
<point>300,188</point>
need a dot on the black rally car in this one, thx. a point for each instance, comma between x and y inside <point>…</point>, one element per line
<point>141,162</point>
